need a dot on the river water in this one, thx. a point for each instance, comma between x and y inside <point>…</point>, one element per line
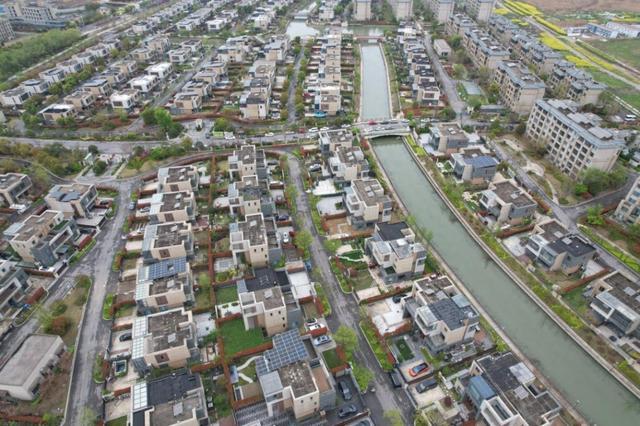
<point>593,391</point>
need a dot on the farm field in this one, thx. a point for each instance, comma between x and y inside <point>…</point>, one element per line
<point>623,50</point>
<point>572,5</point>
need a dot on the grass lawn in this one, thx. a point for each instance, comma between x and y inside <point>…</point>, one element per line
<point>120,421</point>
<point>203,299</point>
<point>625,50</point>
<point>237,339</point>
<point>405,350</point>
<point>226,295</point>
<point>577,301</point>
<point>617,86</point>
<point>331,358</point>
<point>362,280</point>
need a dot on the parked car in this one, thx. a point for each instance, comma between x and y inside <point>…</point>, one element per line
<point>314,326</point>
<point>125,336</point>
<point>313,130</point>
<point>269,134</point>
<point>315,168</point>
<point>396,380</point>
<point>347,410</point>
<point>345,391</point>
<point>311,321</point>
<point>425,385</point>
<point>282,217</point>
<point>419,369</point>
<point>364,422</point>
<point>321,340</point>
<point>132,205</point>
<point>397,298</point>
<point>286,238</point>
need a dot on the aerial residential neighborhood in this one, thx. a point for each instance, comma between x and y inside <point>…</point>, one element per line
<point>329,212</point>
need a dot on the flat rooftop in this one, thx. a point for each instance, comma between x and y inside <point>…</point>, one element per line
<point>7,180</point>
<point>168,330</point>
<point>168,234</point>
<point>171,201</point>
<point>31,225</point>
<point>510,193</point>
<point>28,356</point>
<point>625,290</point>
<point>68,193</point>
<point>253,229</point>
<point>370,191</point>
<point>299,377</point>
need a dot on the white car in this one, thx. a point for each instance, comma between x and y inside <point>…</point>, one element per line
<point>314,326</point>
<point>268,134</point>
<point>313,130</point>
<point>321,340</point>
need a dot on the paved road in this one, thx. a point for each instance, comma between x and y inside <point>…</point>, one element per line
<point>291,100</point>
<point>446,83</point>
<point>95,332</point>
<point>345,311</point>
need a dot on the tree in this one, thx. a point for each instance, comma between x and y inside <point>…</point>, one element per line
<point>394,417</point>
<point>521,128</point>
<point>99,167</point>
<point>93,149</point>
<point>221,124</point>
<point>363,376</point>
<point>148,116</point>
<point>447,113</point>
<point>580,189</point>
<point>303,240</point>
<point>186,143</point>
<point>594,215</point>
<point>347,338</point>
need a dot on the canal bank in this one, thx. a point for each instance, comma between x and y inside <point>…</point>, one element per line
<point>591,389</point>
<point>374,104</point>
<point>469,295</point>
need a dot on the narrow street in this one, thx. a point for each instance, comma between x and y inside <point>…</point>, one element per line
<point>95,332</point>
<point>291,100</point>
<point>345,311</point>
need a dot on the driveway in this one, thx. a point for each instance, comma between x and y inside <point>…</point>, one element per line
<point>345,311</point>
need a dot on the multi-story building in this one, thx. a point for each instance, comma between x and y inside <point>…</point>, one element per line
<point>331,140</point>
<point>531,51</point>
<point>447,138</point>
<point>367,203</point>
<point>14,288</point>
<point>54,112</point>
<point>74,200</point>
<point>250,242</point>
<point>250,196</point>
<point>519,87</point>
<point>164,339</point>
<point>628,210</point>
<point>292,381</point>
<point>169,240</point>
<point>402,9</point>
<point>164,285</point>
<point>176,399</point>
<point>348,164</point>
<point>442,315</point>
<point>362,10</point>
<point>474,165</point>
<point>22,13</point>
<point>52,75</point>
<point>13,188</point>
<point>43,239</point>
<point>80,99</point>
<point>480,10</point>
<point>551,245</point>
<point>187,103</point>
<point>484,50</point>
<point>126,99</point>
<point>503,29</point>
<point>441,9</point>
<point>395,249</point>
<point>567,80</point>
<point>458,24</point>
<point>144,84</point>
<point>178,206</point>
<point>574,140</point>
<point>30,365</point>
<point>178,178</point>
<point>35,86</point>
<point>6,30</point>
<point>262,307</point>
<point>504,391</point>
<point>616,302</point>
<point>248,161</point>
<point>98,87</point>
<point>14,98</point>
<point>507,202</point>
<point>624,30</point>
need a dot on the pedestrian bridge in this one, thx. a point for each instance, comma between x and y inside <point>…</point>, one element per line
<point>379,128</point>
